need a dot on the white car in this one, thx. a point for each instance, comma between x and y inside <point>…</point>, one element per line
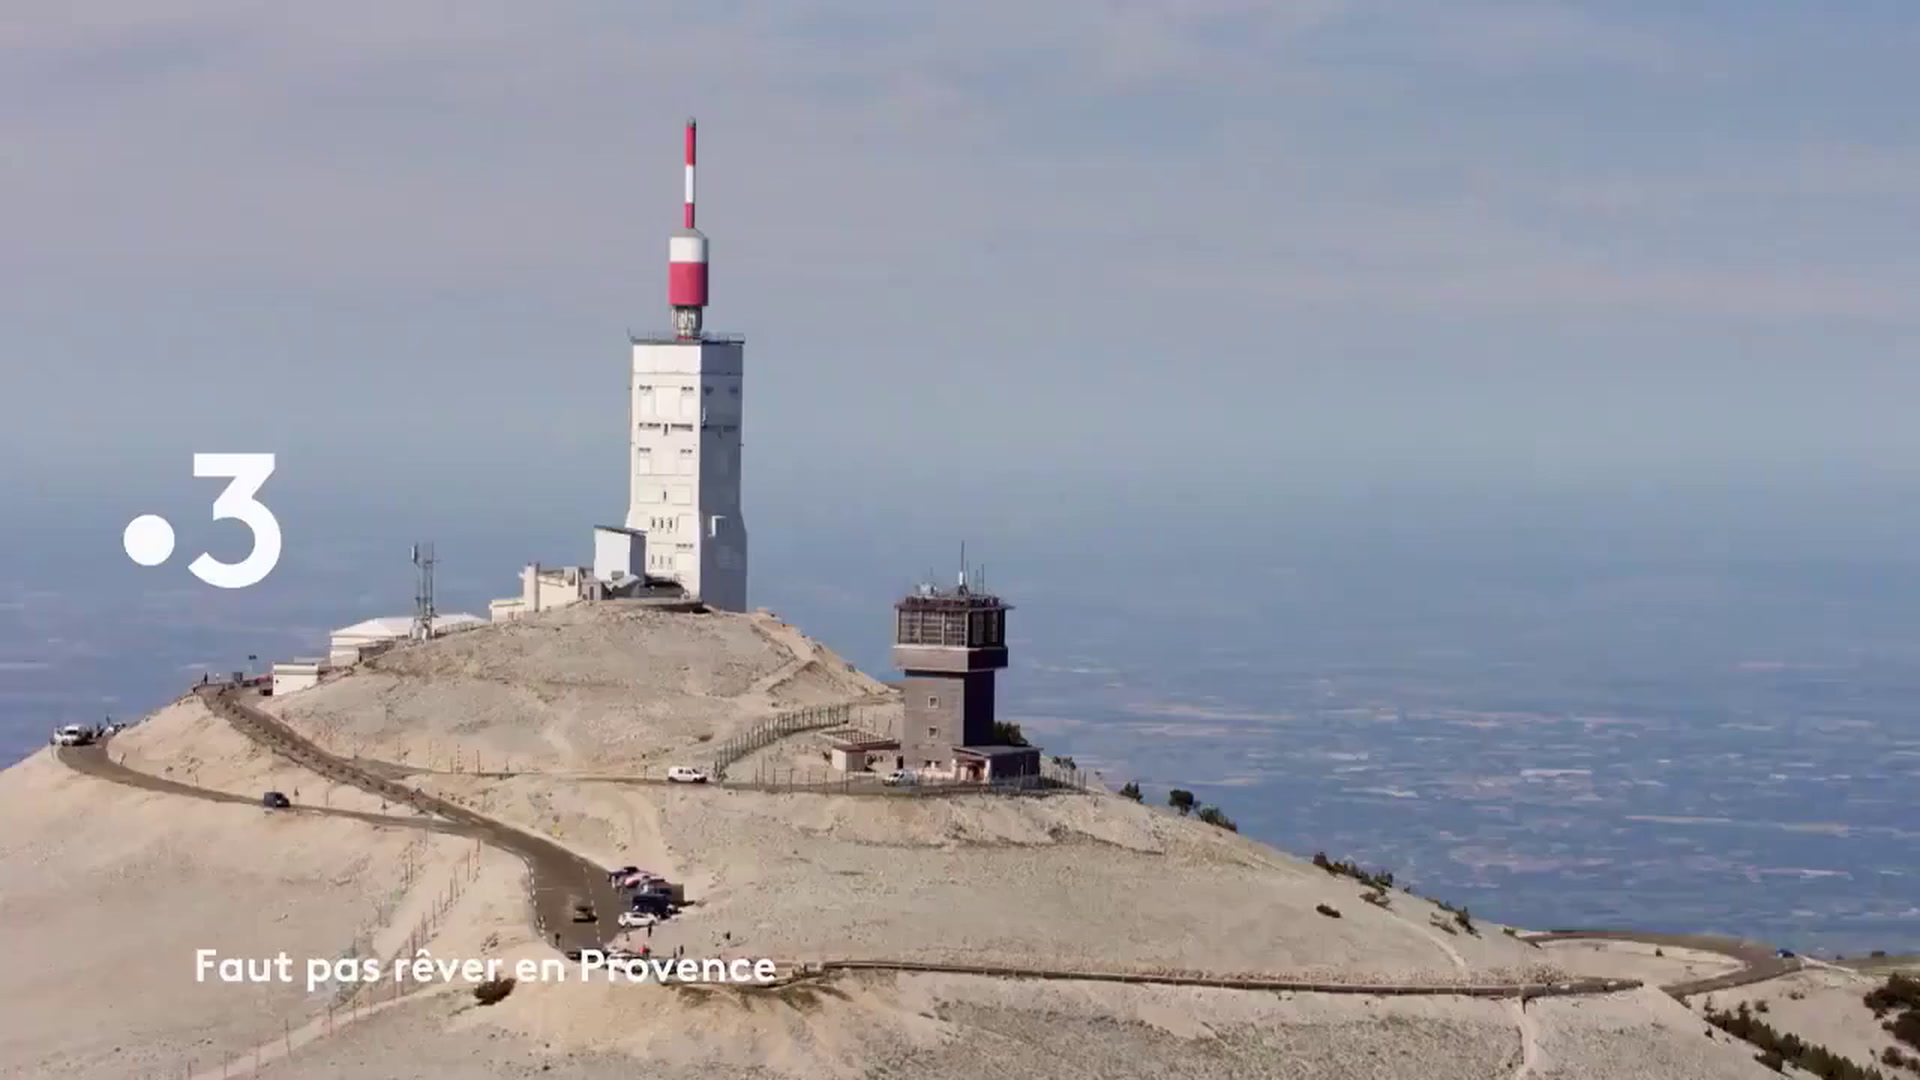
<point>897,777</point>
<point>72,735</point>
<point>637,919</point>
<point>686,774</point>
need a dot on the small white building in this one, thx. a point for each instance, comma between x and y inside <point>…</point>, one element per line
<point>543,588</point>
<point>618,554</point>
<point>618,571</point>
<point>349,644</point>
<point>292,676</point>
<point>851,750</point>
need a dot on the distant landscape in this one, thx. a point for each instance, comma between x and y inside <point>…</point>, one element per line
<point>1566,737</point>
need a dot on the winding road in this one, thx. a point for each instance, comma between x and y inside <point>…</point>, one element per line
<point>557,876</point>
<point>1758,962</point>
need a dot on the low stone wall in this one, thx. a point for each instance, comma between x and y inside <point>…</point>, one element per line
<point>1568,988</point>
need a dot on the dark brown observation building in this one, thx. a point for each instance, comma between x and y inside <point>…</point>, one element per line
<point>949,644</point>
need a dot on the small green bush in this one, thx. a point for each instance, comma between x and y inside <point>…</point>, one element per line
<point>1212,816</point>
<point>493,991</point>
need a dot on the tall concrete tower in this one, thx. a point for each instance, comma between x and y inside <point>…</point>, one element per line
<point>949,644</point>
<point>685,434</point>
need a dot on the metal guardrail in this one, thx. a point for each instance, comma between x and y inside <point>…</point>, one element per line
<point>773,729</point>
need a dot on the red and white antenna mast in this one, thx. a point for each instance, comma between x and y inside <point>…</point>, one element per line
<point>687,265</point>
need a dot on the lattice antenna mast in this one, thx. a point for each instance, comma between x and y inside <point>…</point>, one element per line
<point>423,561</point>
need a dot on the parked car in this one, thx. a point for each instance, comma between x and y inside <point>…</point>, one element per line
<point>614,876</point>
<point>583,911</point>
<point>659,903</point>
<point>897,777</point>
<point>274,800</point>
<point>637,919</point>
<point>1785,954</point>
<point>73,735</point>
<point>686,774</point>
<point>639,880</point>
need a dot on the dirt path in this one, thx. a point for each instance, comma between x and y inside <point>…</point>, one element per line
<point>96,761</point>
<point>1758,962</point>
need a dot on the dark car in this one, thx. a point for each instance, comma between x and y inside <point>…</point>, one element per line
<point>583,911</point>
<point>652,905</point>
<point>274,800</point>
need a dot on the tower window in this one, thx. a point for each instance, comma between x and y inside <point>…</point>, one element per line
<point>933,731</point>
<point>933,702</point>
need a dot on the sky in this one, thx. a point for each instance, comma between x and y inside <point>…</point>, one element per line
<point>1156,252</point>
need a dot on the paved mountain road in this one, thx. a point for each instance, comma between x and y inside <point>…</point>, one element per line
<point>1760,962</point>
<point>556,876</point>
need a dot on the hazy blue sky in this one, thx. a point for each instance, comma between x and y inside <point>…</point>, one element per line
<point>1161,246</point>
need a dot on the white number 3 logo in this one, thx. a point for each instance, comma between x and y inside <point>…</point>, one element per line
<point>248,472</point>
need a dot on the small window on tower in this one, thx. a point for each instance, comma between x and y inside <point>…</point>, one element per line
<point>933,702</point>
<point>933,731</point>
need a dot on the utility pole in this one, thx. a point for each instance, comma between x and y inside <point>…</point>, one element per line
<point>423,561</point>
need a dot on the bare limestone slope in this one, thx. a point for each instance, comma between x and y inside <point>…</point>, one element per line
<point>106,893</point>
<point>600,686</point>
<point>1086,882</point>
<point>106,890</point>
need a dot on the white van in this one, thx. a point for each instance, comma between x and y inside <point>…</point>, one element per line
<point>72,735</point>
<point>686,774</point>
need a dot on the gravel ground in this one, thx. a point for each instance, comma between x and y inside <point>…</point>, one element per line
<point>601,687</point>
<point>1821,1005</point>
<point>1076,881</point>
<point>106,892</point>
<point>944,1027</point>
<point>1644,1035</point>
<point>1634,960</point>
<point>934,1027</point>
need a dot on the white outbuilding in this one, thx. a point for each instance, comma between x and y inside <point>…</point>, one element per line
<point>292,676</point>
<point>350,643</point>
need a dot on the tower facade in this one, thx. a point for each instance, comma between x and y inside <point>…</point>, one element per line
<point>684,447</point>
<point>949,644</point>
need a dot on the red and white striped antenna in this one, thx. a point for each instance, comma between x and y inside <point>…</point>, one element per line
<point>687,263</point>
<point>690,133</point>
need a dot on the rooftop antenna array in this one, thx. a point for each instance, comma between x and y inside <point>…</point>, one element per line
<point>423,561</point>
